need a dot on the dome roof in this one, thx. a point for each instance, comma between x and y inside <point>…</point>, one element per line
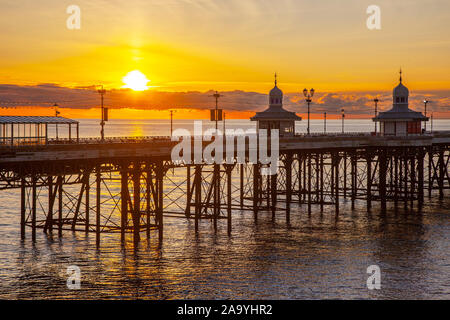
<point>275,112</point>
<point>401,91</point>
<point>276,92</point>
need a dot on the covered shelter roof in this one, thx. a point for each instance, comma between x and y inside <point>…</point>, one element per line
<point>275,114</point>
<point>35,120</point>
<point>400,110</point>
<point>404,115</point>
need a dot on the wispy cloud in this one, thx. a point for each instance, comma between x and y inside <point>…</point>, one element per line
<point>45,95</point>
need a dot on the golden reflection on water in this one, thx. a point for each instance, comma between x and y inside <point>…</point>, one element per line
<point>315,256</point>
<point>137,130</point>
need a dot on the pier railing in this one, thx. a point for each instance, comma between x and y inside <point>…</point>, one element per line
<point>27,145</point>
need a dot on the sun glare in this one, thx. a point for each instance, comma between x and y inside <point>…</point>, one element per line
<point>135,80</point>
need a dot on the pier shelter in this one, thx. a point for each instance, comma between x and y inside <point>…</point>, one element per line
<point>275,117</point>
<point>34,130</point>
<point>400,120</point>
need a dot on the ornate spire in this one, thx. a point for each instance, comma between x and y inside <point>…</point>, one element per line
<point>400,75</point>
<point>275,79</point>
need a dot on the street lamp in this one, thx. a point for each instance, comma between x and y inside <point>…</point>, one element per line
<point>216,96</point>
<point>56,114</point>
<point>171,122</point>
<point>431,122</point>
<point>102,123</point>
<point>376,113</point>
<point>324,122</point>
<point>425,103</point>
<point>343,116</point>
<point>308,96</point>
<point>224,123</point>
<point>56,109</point>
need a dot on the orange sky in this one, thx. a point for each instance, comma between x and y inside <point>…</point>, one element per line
<point>227,45</point>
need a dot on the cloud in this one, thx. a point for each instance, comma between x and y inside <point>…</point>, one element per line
<point>45,95</point>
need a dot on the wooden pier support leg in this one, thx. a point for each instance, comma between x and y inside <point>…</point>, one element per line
<point>188,190</point>
<point>87,208</point>
<point>413,178</point>
<point>198,194</point>
<point>124,203</point>
<point>216,195</point>
<point>273,193</point>
<point>309,184</point>
<point>353,170</point>
<point>148,193</point>
<point>441,174</point>
<point>400,176</point>
<point>336,160</point>
<point>396,178</point>
<point>159,181</point>
<point>260,188</point>
<point>420,172</point>
<point>299,160</point>
<point>321,183</point>
<point>382,173</point>
<point>430,164</point>
<point>256,190</point>
<point>229,170</point>
<point>345,175</point>
<point>241,185</point>
<point>317,177</point>
<point>59,181</point>
<point>405,181</point>
<point>304,177</point>
<point>98,205</point>
<point>22,207</point>
<point>50,205</point>
<point>369,183</point>
<point>33,209</point>
<point>137,203</point>
<point>332,177</point>
<point>288,186</point>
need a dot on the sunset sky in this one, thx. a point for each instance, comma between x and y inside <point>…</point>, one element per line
<point>186,48</point>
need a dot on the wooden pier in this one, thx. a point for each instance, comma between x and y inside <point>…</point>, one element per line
<point>317,170</point>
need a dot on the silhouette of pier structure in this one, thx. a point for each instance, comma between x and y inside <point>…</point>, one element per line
<point>131,185</point>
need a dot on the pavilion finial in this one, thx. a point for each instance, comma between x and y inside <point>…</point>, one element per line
<point>275,79</point>
<point>400,75</point>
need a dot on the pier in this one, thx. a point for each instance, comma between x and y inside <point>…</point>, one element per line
<point>321,170</point>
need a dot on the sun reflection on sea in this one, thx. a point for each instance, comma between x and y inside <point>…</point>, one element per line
<point>137,130</point>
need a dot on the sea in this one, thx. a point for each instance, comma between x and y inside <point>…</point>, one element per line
<point>315,256</point>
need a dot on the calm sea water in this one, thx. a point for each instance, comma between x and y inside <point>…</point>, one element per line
<point>311,258</point>
<point>118,128</point>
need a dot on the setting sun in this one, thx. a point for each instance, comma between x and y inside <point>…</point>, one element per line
<point>136,81</point>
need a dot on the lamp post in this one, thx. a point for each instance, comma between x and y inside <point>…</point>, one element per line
<point>431,122</point>
<point>171,122</point>
<point>216,96</point>
<point>376,113</point>
<point>308,96</point>
<point>56,114</point>
<point>102,123</point>
<point>425,102</point>
<point>324,122</point>
<point>224,123</point>
<point>343,116</point>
